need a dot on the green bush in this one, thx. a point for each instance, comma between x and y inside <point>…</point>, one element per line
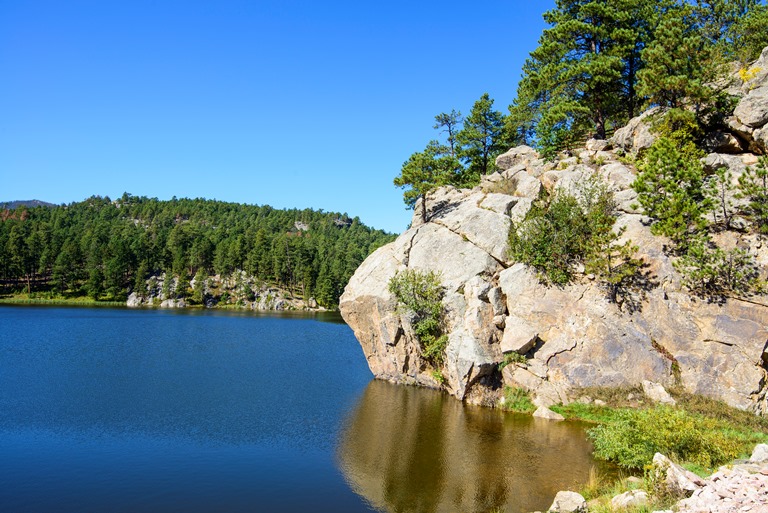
<point>512,357</point>
<point>713,273</point>
<point>634,436</point>
<point>419,294</point>
<point>554,238</point>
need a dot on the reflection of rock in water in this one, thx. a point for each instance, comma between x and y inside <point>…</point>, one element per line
<point>407,449</point>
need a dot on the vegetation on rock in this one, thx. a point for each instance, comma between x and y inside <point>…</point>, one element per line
<point>419,295</point>
<point>574,229</point>
<point>469,152</point>
<point>673,191</point>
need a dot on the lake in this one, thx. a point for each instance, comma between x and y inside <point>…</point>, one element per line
<point>200,411</point>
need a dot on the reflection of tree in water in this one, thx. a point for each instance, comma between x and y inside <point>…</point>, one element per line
<point>407,449</point>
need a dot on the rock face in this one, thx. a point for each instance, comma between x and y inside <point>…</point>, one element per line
<point>571,336</point>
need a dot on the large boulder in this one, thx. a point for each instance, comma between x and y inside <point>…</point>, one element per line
<point>572,336</point>
<point>568,502</point>
<point>636,135</point>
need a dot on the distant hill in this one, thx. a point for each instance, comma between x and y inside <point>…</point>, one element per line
<point>107,249</point>
<point>12,205</point>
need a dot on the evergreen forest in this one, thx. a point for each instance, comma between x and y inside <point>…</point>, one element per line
<point>598,64</point>
<point>106,249</point>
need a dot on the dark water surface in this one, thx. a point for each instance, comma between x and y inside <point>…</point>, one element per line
<point>198,411</point>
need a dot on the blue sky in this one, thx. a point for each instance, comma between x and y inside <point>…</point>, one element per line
<point>286,103</point>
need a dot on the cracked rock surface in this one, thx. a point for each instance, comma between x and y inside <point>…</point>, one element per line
<point>572,336</point>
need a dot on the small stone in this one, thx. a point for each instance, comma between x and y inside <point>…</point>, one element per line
<point>657,393</point>
<point>600,402</point>
<point>568,502</point>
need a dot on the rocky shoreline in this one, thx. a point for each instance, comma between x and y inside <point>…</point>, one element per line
<point>237,290</point>
<point>741,487</point>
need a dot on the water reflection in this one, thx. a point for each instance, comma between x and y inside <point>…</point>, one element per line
<point>407,449</point>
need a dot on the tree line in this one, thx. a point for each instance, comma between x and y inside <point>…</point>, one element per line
<point>105,249</point>
<point>598,64</point>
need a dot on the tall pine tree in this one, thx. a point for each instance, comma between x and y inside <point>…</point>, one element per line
<point>581,78</point>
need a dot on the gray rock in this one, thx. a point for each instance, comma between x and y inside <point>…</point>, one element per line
<point>573,335</point>
<point>630,499</point>
<point>496,298</point>
<point>597,145</point>
<point>752,110</point>
<point>618,176</point>
<point>723,142</point>
<point>133,300</point>
<point>657,393</point>
<point>516,156</point>
<point>759,454</point>
<point>636,135</point>
<point>519,335</point>
<point>543,412</point>
<point>568,502</point>
<point>677,481</point>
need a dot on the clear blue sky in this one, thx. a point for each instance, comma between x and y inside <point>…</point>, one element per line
<point>286,103</point>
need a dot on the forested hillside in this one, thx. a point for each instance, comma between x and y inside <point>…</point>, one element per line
<point>106,249</point>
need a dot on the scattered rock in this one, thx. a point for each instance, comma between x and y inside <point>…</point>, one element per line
<point>568,502</point>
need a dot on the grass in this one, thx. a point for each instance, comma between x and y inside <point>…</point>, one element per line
<point>699,433</point>
<point>517,400</point>
<point>50,298</point>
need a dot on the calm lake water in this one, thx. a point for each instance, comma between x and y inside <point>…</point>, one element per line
<point>151,410</point>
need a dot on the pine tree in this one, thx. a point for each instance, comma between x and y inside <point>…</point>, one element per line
<point>424,172</point>
<point>449,123</point>
<point>581,77</point>
<point>675,63</point>
<point>670,188</point>
<point>481,140</point>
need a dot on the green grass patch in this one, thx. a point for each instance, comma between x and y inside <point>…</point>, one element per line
<point>586,412</point>
<point>634,436</point>
<point>517,400</point>
<point>50,298</point>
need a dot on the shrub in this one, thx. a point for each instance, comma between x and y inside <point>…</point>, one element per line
<point>419,294</point>
<point>512,357</point>
<point>635,436</point>
<point>712,273</point>
<point>753,186</point>
<point>575,229</point>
